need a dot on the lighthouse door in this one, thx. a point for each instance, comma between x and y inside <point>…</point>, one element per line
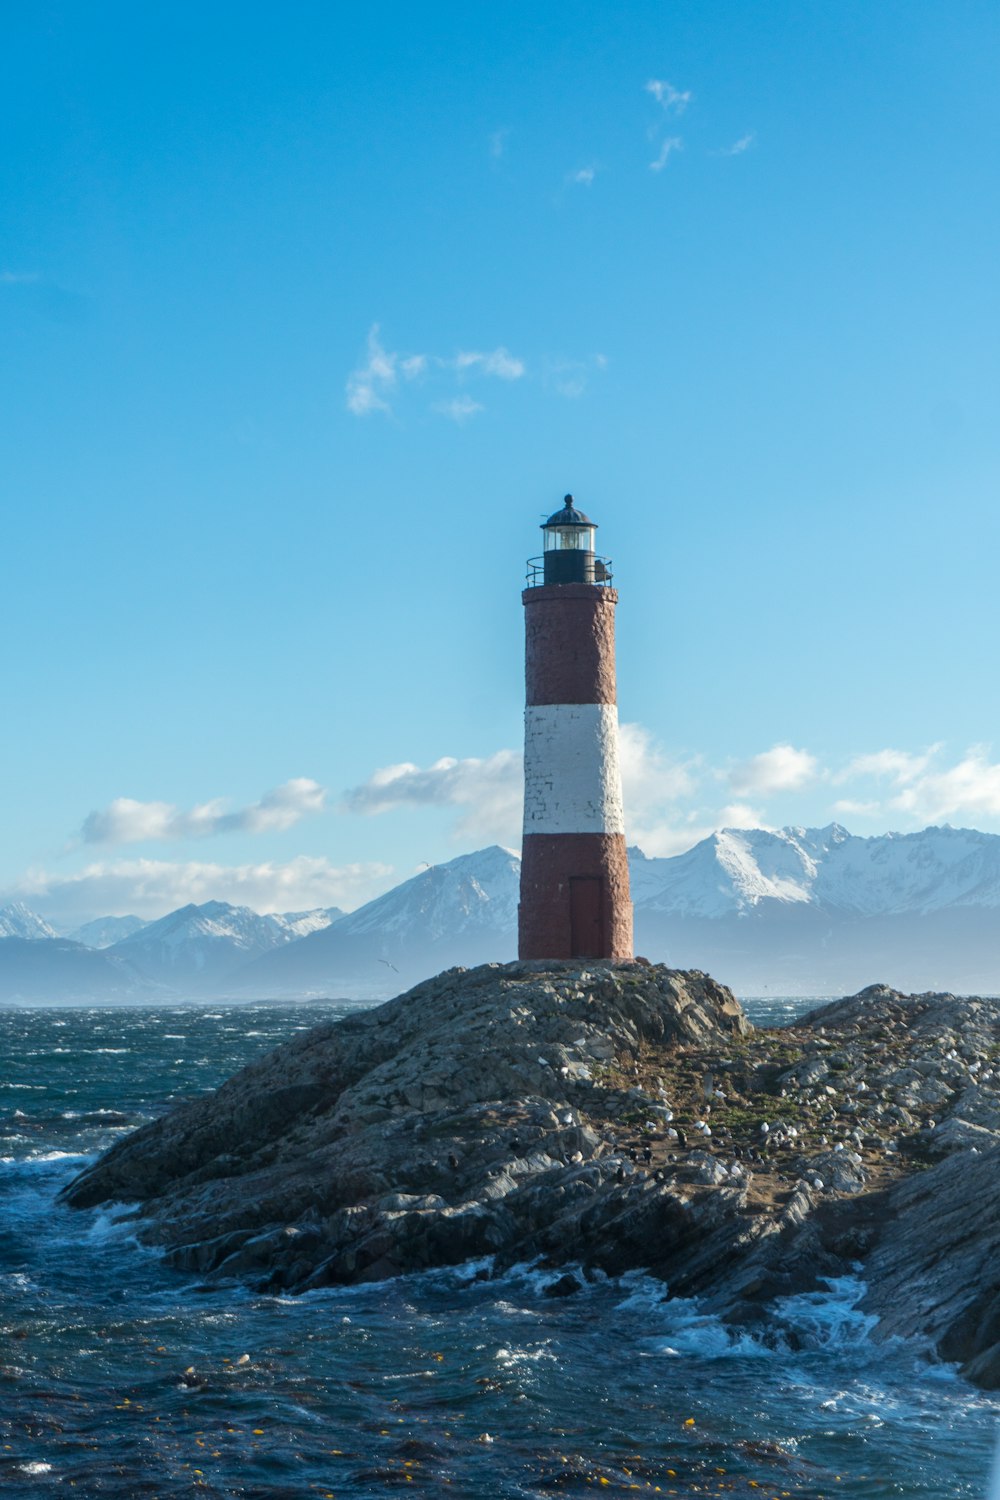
<point>586,925</point>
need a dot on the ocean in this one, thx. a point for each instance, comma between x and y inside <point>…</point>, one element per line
<point>121,1377</point>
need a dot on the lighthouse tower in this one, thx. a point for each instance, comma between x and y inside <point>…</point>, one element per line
<point>574,868</point>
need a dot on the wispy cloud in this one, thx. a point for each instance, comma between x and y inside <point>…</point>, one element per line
<point>584,176</point>
<point>488,792</point>
<point>738,147</point>
<point>459,409</point>
<point>924,791</point>
<point>369,385</point>
<point>780,769</point>
<point>570,377</point>
<point>900,766</point>
<point>18,278</point>
<point>448,381</point>
<point>126,821</point>
<point>667,148</point>
<point>850,807</point>
<point>149,888</point>
<point>673,101</point>
<point>498,143</point>
<point>740,815</point>
<point>499,362</point>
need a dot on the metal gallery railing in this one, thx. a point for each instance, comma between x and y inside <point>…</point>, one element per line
<point>535,576</point>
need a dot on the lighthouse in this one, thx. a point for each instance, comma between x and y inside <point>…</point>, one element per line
<point>574,868</point>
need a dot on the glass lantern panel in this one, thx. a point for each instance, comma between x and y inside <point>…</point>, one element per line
<point>569,539</point>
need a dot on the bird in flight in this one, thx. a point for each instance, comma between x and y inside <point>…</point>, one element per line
<point>389,965</point>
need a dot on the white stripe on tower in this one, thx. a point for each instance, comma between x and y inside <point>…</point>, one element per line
<point>572,781</point>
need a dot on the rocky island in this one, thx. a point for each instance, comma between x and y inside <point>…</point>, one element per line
<point>598,1117</point>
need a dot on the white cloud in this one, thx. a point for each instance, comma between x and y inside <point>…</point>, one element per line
<point>369,385</point>
<point>672,100</point>
<point>738,147</point>
<point>569,377</point>
<point>648,776</point>
<point>921,789</point>
<point>584,177</point>
<point>739,815</point>
<point>18,278</point>
<point>150,888</point>
<point>667,147</point>
<point>488,791</point>
<point>970,788</point>
<point>125,821</point>
<point>376,381</point>
<point>781,769</point>
<point>499,362</point>
<point>498,143</point>
<point>848,807</point>
<point>459,408</point>
<point>899,765</point>
<point>653,786</point>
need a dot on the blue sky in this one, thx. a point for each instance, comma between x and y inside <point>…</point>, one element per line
<point>310,314</point>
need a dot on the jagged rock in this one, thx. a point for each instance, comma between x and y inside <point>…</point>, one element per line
<point>444,1125</point>
<point>937,1274</point>
<point>519,1112</point>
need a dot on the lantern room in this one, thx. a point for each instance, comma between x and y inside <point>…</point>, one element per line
<point>569,546</point>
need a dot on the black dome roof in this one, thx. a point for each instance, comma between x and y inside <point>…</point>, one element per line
<point>568,516</point>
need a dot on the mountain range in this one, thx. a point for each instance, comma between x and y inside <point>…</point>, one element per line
<point>792,911</point>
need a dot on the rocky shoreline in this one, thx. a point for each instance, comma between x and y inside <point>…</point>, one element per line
<point>604,1117</point>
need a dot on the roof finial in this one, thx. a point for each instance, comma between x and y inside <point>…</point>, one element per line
<point>567,500</point>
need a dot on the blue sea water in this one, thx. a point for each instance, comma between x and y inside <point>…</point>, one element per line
<point>120,1377</point>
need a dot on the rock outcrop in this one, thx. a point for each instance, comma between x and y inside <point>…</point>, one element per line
<point>608,1117</point>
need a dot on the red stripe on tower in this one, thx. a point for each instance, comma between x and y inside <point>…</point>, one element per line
<point>574,868</point>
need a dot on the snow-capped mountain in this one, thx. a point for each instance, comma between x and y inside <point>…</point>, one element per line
<point>200,945</point>
<point>821,911</point>
<point>300,923</point>
<point>736,870</point>
<point>793,910</point>
<point>472,892</point>
<point>16,921</point>
<point>103,932</point>
<point>464,912</point>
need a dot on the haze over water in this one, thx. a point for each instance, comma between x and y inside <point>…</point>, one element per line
<point>434,1383</point>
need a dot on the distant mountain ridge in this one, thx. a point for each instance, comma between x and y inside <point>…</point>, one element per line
<point>103,932</point>
<point>204,945</point>
<point>16,921</point>
<point>461,912</point>
<point>735,870</point>
<point>792,910</point>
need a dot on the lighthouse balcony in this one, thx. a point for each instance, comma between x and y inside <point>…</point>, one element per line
<point>568,567</point>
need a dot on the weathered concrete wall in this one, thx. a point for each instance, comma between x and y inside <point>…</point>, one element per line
<point>570,643</point>
<point>548,862</point>
<point>572,780</point>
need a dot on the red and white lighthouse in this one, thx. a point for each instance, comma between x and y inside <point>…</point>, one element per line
<point>574,869</point>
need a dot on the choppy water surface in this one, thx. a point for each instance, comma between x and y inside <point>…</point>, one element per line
<point>119,1377</point>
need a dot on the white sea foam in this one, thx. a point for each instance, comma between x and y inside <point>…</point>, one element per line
<point>110,1225</point>
<point>828,1319</point>
<point>44,1160</point>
